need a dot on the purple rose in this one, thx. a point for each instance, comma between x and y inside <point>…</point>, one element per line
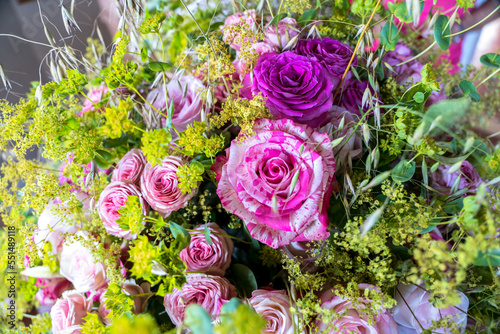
<point>296,87</point>
<point>279,36</point>
<point>407,72</point>
<point>257,182</point>
<point>332,54</point>
<point>469,178</point>
<point>351,96</point>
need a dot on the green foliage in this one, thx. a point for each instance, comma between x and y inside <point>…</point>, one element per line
<point>117,301</point>
<point>194,141</point>
<point>389,36</point>
<point>93,325</point>
<point>490,60</point>
<point>239,318</point>
<point>117,119</point>
<point>129,323</point>
<point>152,24</point>
<point>155,145</point>
<point>470,90</point>
<point>198,320</point>
<point>442,32</point>
<point>131,216</point>
<point>244,278</point>
<point>189,176</point>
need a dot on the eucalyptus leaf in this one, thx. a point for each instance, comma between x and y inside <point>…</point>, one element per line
<point>442,32</point>
<point>198,320</point>
<point>389,36</point>
<point>307,17</point>
<point>491,257</point>
<point>490,60</point>
<point>470,90</point>
<point>158,66</point>
<point>181,235</point>
<point>403,171</point>
<point>277,19</point>
<point>244,279</point>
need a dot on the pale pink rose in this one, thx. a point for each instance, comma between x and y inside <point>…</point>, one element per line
<point>185,92</point>
<point>112,198</point>
<point>469,178</point>
<point>160,186</point>
<point>95,95</point>
<point>210,259</point>
<point>210,292</point>
<point>274,307</point>
<point>417,298</point>
<point>130,167</point>
<point>50,289</point>
<point>258,182</point>
<point>51,228</point>
<point>131,289</point>
<point>79,266</point>
<point>248,18</point>
<point>353,320</point>
<point>287,29</point>
<point>351,144</point>
<point>68,312</point>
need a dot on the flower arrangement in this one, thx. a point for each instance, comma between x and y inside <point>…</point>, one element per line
<point>272,167</point>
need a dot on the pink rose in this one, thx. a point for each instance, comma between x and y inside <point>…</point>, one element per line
<point>232,36</point>
<point>211,292</point>
<point>274,307</point>
<point>351,144</point>
<point>95,95</point>
<point>417,298</point>
<point>217,166</point>
<point>352,320</point>
<point>469,178</point>
<point>51,228</point>
<point>130,167</point>
<point>68,312</point>
<point>131,289</point>
<point>210,259</point>
<point>185,93</point>
<point>258,182</point>
<point>159,185</point>
<point>50,289</point>
<point>79,266</point>
<point>112,198</point>
<point>287,29</point>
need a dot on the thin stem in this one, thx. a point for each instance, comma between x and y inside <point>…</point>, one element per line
<point>420,54</point>
<point>26,40</point>
<point>489,77</point>
<point>475,25</point>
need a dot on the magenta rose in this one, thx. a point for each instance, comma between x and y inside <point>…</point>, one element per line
<point>50,289</point>
<point>247,19</point>
<point>296,87</point>
<point>279,36</point>
<point>217,166</point>
<point>406,73</point>
<point>469,178</point>
<point>185,94</point>
<point>130,167</point>
<point>68,312</point>
<point>414,310</point>
<point>112,198</point>
<point>210,292</point>
<point>330,53</point>
<point>279,182</point>
<point>352,319</point>
<point>351,96</point>
<point>210,259</point>
<point>160,186</point>
<point>274,307</point>
<point>79,266</point>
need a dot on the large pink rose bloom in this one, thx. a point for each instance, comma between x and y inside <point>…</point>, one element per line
<point>187,108</point>
<point>231,36</point>
<point>210,259</point>
<point>258,182</point>
<point>80,268</point>
<point>112,198</point>
<point>351,321</point>
<point>422,312</point>
<point>279,36</point>
<point>160,186</point>
<point>210,292</point>
<point>51,289</point>
<point>274,307</point>
<point>130,167</point>
<point>68,312</point>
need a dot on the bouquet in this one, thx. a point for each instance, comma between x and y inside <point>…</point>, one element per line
<point>274,167</point>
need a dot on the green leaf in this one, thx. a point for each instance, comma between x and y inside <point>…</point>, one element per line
<point>307,17</point>
<point>490,60</point>
<point>144,54</point>
<point>419,97</point>
<point>470,90</point>
<point>231,306</point>
<point>198,320</point>
<point>389,36</point>
<point>403,171</point>
<point>244,279</point>
<point>454,207</point>
<point>442,29</point>
<point>276,19</point>
<point>181,235</point>
<point>197,167</point>
<point>491,257</point>
<point>208,238</point>
<point>400,10</point>
<point>158,66</point>
<point>170,113</point>
<point>443,115</point>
